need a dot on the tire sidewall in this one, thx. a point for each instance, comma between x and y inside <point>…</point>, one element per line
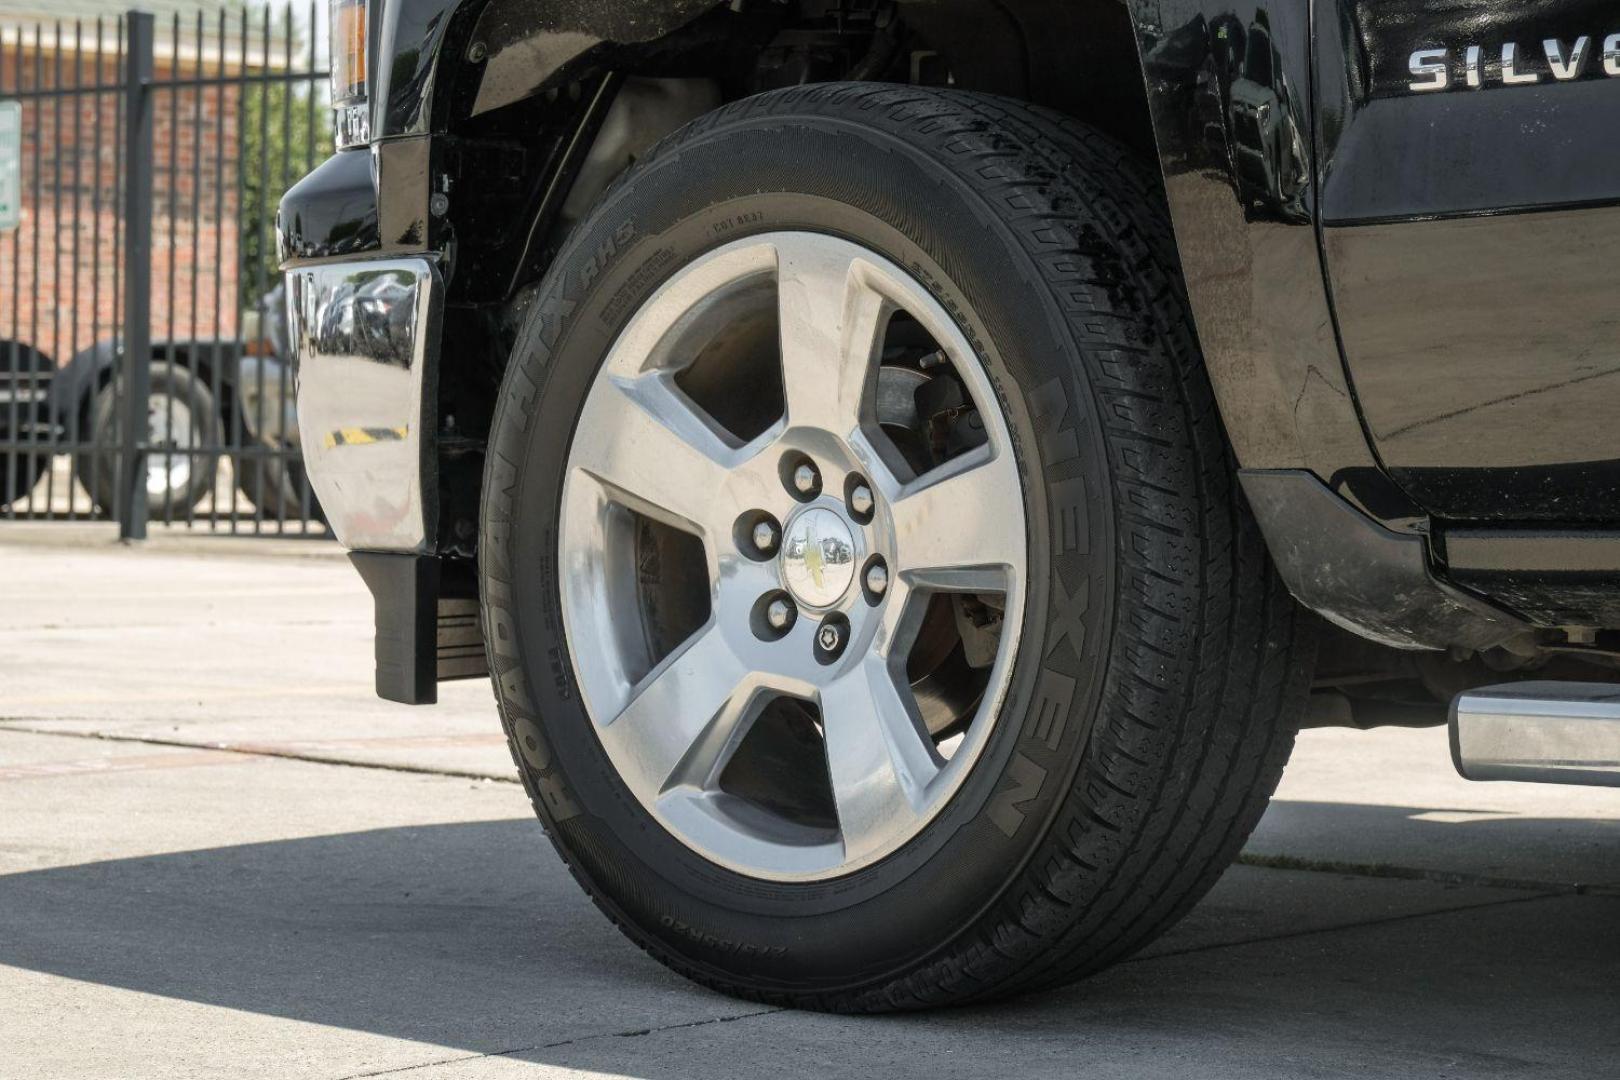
<point>727,183</point>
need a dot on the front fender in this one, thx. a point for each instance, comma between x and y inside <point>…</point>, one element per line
<point>1228,86</point>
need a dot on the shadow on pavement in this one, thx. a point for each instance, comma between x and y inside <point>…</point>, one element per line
<point>472,937</point>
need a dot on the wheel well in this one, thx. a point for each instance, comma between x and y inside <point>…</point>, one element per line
<point>1078,57</point>
<point>1075,56</point>
<point>589,120</point>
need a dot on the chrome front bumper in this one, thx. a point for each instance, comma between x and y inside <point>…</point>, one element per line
<point>365,335</point>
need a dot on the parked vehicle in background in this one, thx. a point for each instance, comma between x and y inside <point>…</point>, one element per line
<point>25,418</point>
<point>207,399</point>
<point>915,464</point>
<point>271,474</point>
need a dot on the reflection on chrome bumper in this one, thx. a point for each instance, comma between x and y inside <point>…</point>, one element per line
<point>366,338</point>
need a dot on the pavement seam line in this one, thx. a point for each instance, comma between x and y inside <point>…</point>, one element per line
<point>1253,860</point>
<point>10,723</point>
<point>1384,921</point>
<point>629,1034</point>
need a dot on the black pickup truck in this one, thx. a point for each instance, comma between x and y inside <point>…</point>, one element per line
<point>909,467</point>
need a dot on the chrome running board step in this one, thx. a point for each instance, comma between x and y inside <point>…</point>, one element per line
<point>1542,732</point>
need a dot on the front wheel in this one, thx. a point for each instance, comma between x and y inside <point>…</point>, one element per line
<point>873,613</point>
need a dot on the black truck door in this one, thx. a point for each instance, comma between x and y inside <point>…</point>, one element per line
<point>1469,172</point>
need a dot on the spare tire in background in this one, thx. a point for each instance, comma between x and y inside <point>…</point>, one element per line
<point>184,430</point>
<point>25,421</point>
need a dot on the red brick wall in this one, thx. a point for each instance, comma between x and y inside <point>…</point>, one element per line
<point>61,271</point>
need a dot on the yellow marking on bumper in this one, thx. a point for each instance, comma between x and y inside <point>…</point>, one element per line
<point>360,436</point>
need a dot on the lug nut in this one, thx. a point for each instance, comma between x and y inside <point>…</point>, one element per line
<point>860,500</point>
<point>805,479</point>
<point>877,579</point>
<point>779,613</point>
<point>765,537</point>
<point>832,637</point>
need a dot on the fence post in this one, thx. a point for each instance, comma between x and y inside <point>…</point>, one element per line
<point>137,328</point>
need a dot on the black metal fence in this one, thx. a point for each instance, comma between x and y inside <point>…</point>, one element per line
<point>144,366</point>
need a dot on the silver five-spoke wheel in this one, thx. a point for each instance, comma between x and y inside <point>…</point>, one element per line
<point>834,575</point>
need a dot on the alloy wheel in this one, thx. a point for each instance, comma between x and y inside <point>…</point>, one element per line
<point>791,556</point>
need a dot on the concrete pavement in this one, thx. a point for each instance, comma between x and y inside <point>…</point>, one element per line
<point>221,856</point>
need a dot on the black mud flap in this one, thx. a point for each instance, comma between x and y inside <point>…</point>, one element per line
<point>427,623</point>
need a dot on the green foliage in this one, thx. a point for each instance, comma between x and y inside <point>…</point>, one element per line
<point>286,130</point>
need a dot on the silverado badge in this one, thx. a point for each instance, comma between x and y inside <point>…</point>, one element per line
<point>1433,69</point>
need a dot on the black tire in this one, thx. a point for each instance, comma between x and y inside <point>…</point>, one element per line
<point>1162,664</point>
<point>104,422</point>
